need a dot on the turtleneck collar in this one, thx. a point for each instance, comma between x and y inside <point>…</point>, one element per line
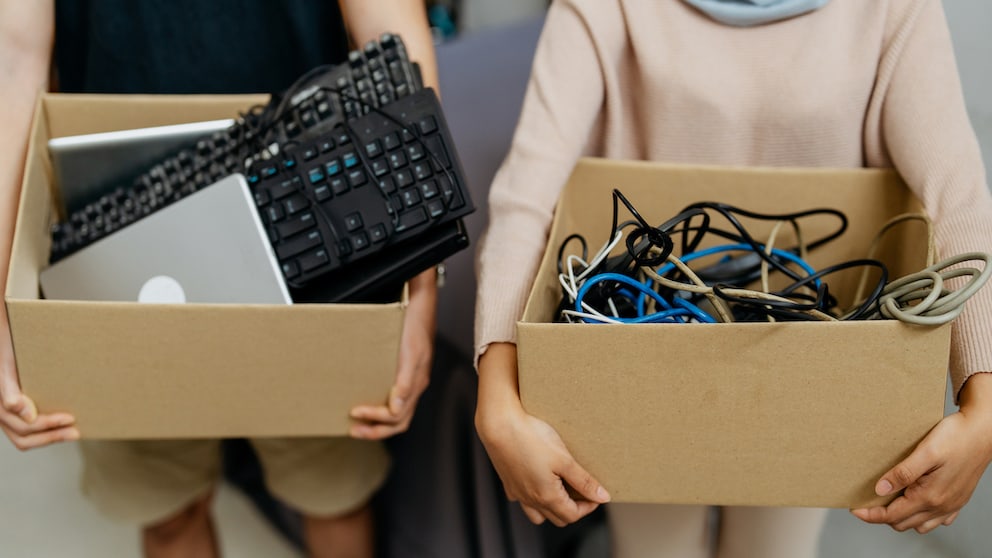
<point>746,13</point>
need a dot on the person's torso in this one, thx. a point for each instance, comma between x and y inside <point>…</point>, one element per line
<point>790,93</point>
<point>193,46</point>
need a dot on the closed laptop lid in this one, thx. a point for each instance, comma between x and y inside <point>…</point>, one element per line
<point>209,247</point>
<point>88,166</point>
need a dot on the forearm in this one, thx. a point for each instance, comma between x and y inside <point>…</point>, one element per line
<point>498,385</point>
<point>25,48</point>
<point>408,18</point>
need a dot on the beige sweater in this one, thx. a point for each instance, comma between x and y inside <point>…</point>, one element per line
<point>858,83</point>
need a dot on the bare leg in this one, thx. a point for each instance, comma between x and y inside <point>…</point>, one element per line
<point>657,531</point>
<point>188,534</point>
<point>343,536</point>
<point>771,532</point>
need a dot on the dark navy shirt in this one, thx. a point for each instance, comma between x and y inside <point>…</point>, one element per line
<point>193,46</point>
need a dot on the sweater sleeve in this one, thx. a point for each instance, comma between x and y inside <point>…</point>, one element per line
<point>926,135</point>
<point>560,108</point>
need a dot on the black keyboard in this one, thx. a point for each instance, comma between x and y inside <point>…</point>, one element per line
<point>382,179</point>
<point>353,171</point>
<point>320,102</point>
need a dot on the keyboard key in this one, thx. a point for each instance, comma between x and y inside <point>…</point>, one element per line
<point>387,185</point>
<point>373,149</point>
<point>396,72</point>
<point>261,198</point>
<point>297,224</point>
<point>378,233</point>
<point>287,163</point>
<point>342,138</point>
<point>292,128</point>
<point>380,168</point>
<point>429,189</point>
<point>344,248</point>
<point>299,244</point>
<point>427,125</point>
<point>407,135</point>
<point>397,159</point>
<point>411,219</point>
<point>435,208</point>
<point>353,222</point>
<point>284,188</point>
<point>333,168</point>
<point>316,175</point>
<point>339,185</point>
<point>357,178</point>
<point>295,204</point>
<point>360,241</point>
<point>309,153</point>
<point>322,192</point>
<point>274,213</point>
<point>290,269</point>
<point>410,197</point>
<point>391,141</point>
<point>415,151</point>
<point>404,178</point>
<point>326,145</point>
<point>324,110</point>
<point>422,171</point>
<point>308,118</point>
<point>312,260</point>
<point>350,160</point>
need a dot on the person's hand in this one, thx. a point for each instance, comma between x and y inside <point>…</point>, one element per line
<point>536,468</point>
<point>413,370</point>
<point>940,475</point>
<point>19,417</point>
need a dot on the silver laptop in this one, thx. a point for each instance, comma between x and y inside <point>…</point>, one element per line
<point>208,247</point>
<point>87,166</point>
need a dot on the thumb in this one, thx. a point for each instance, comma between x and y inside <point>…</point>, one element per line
<point>584,484</point>
<point>905,473</point>
<point>399,394</point>
<point>13,399</point>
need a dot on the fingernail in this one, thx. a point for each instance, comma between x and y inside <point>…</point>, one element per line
<point>397,402</point>
<point>72,435</point>
<point>602,494</point>
<point>883,487</point>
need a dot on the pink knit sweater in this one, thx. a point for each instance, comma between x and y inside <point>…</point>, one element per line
<point>858,83</point>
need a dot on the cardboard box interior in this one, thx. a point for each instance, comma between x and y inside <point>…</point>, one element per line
<point>794,414</point>
<point>130,370</point>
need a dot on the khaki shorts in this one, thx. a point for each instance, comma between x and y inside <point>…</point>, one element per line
<point>146,482</point>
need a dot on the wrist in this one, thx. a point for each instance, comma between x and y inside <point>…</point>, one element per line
<point>976,405</point>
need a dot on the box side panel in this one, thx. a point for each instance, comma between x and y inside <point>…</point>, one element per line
<point>798,414</point>
<point>74,114</point>
<point>31,242</point>
<point>160,371</point>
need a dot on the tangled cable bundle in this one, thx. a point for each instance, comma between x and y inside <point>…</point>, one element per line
<point>651,280</point>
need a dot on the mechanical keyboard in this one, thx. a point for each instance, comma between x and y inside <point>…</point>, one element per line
<point>321,100</point>
<point>353,171</point>
<point>383,178</point>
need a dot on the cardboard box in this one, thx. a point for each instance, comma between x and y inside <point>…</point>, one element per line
<point>130,370</point>
<point>776,414</point>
